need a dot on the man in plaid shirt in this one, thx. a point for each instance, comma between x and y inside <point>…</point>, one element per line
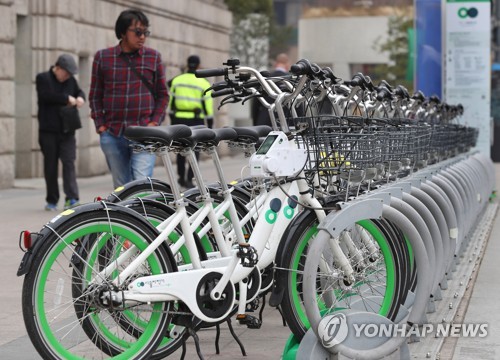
<point>119,97</point>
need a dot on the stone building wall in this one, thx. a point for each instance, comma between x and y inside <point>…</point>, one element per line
<point>33,33</point>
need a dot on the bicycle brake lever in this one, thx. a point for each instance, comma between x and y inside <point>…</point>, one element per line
<point>231,99</point>
<point>217,86</point>
<point>250,97</point>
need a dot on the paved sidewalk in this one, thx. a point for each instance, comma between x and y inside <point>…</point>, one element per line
<point>22,208</point>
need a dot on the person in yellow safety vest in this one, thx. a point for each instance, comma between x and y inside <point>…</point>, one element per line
<point>189,105</point>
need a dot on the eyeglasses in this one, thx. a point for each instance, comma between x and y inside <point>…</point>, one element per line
<point>139,32</point>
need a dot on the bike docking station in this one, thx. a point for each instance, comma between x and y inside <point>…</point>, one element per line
<point>446,213</point>
<point>363,227</point>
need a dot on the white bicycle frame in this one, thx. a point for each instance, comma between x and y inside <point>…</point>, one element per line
<point>235,235</point>
<point>182,285</point>
<point>232,236</point>
<point>265,239</point>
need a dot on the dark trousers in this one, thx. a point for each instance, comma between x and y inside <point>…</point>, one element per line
<point>181,160</point>
<point>57,147</point>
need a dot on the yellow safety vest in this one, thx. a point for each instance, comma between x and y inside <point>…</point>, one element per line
<point>187,100</point>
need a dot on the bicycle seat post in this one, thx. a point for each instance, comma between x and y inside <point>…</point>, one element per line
<point>167,162</point>
<point>191,158</point>
<point>212,151</point>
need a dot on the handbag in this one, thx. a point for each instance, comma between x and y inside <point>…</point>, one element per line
<point>70,119</point>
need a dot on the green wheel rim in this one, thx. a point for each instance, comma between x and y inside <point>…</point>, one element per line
<point>389,264</point>
<point>388,261</point>
<point>410,252</point>
<point>150,328</point>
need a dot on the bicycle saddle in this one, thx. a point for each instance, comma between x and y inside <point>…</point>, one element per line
<point>247,135</point>
<point>157,134</point>
<point>251,134</point>
<point>198,135</point>
<point>222,134</point>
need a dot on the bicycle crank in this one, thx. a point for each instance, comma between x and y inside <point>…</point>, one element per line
<point>211,308</point>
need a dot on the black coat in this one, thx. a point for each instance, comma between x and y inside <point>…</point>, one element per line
<point>52,95</point>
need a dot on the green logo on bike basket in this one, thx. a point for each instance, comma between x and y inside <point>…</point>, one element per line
<point>272,213</point>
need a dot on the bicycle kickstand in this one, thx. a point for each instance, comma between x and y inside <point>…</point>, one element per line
<point>235,337</point>
<point>217,337</point>
<point>231,330</point>
<point>262,307</point>
<point>196,340</point>
<point>281,313</point>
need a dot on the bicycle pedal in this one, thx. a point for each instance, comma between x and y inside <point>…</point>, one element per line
<point>248,255</point>
<point>252,306</point>
<point>250,321</point>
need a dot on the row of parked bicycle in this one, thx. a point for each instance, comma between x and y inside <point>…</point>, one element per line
<point>379,187</point>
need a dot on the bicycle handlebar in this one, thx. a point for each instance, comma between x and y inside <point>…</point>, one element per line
<point>242,83</point>
<point>251,84</point>
<point>385,84</point>
<point>401,92</point>
<point>383,93</point>
<point>419,96</point>
<point>357,80</point>
<point>435,99</point>
<point>217,86</point>
<point>223,92</point>
<point>369,83</point>
<point>265,73</point>
<point>298,69</point>
<point>204,73</point>
<point>330,75</point>
<point>305,67</point>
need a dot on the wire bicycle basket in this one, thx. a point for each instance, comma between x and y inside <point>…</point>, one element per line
<point>338,147</point>
<point>405,144</point>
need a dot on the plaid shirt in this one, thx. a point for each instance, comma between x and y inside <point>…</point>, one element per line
<point>118,98</point>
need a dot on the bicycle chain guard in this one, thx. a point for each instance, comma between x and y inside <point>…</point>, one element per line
<point>214,308</point>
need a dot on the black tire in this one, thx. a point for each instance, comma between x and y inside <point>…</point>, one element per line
<point>294,246</point>
<point>138,188</point>
<point>70,257</point>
